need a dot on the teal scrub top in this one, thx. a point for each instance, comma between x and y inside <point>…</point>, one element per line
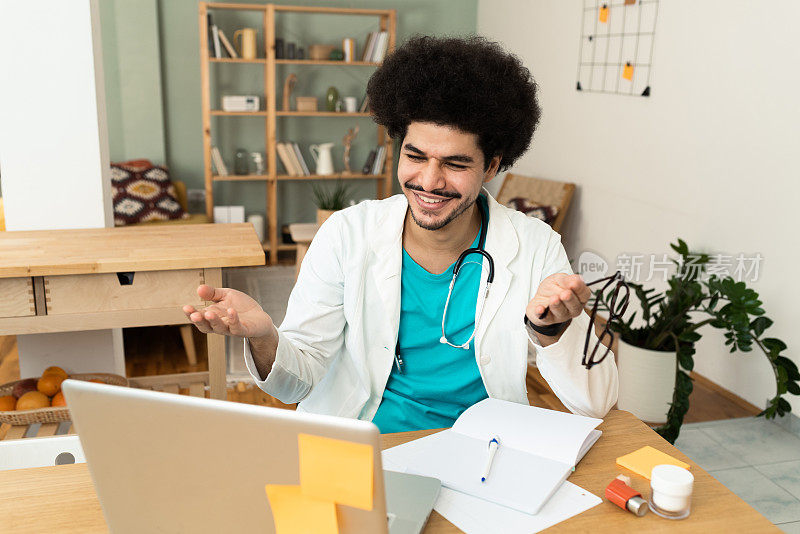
<point>438,381</point>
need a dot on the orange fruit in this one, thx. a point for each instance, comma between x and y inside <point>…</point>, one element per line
<point>58,399</point>
<point>33,400</point>
<point>50,384</point>
<point>55,370</point>
<point>8,403</point>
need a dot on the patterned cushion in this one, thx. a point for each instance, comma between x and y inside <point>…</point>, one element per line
<point>143,192</point>
<point>534,209</point>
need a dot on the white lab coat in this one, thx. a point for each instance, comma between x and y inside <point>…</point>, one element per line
<point>337,341</point>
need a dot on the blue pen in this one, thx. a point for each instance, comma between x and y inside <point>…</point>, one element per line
<point>493,445</point>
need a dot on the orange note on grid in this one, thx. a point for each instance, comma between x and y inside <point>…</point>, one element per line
<point>604,13</point>
<point>642,461</point>
<point>336,470</point>
<point>627,72</point>
<point>295,513</point>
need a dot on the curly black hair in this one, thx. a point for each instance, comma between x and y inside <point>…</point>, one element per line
<point>471,84</point>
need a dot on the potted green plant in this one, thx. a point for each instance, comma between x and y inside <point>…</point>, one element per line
<point>670,323</point>
<point>329,200</point>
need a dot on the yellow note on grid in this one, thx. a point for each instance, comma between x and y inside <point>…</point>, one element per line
<point>604,13</point>
<point>296,513</point>
<point>643,461</point>
<point>627,71</point>
<point>336,470</point>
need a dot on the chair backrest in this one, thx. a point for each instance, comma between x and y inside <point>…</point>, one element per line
<point>539,190</point>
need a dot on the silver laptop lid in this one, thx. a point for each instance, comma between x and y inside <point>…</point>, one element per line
<point>162,462</point>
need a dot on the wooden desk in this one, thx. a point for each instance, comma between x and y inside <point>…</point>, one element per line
<point>94,279</point>
<point>62,499</point>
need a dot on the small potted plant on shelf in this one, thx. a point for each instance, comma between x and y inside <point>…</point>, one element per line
<point>329,200</point>
<point>660,349</point>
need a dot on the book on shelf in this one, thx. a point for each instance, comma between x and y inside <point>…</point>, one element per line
<point>210,21</point>
<point>286,160</point>
<point>302,160</point>
<point>364,104</point>
<point>216,158</point>
<point>215,34</point>
<point>369,46</point>
<point>367,168</point>
<point>381,44</point>
<point>298,169</point>
<point>227,44</point>
<point>380,157</point>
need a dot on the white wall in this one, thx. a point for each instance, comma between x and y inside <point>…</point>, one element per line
<point>54,150</point>
<point>54,160</point>
<point>711,156</point>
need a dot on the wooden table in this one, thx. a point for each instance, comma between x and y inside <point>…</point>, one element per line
<point>95,279</point>
<point>62,499</point>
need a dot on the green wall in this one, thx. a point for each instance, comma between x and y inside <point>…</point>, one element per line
<point>179,65</point>
<point>132,71</point>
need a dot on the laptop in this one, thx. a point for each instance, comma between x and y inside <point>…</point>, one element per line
<point>162,462</point>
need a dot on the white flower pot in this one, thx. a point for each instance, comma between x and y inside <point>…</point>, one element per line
<point>646,382</point>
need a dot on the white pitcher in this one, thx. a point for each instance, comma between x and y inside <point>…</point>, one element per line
<point>323,157</point>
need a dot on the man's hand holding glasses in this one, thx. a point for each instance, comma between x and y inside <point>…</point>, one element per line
<point>561,297</point>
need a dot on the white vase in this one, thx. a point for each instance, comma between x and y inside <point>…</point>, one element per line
<point>646,382</point>
<point>323,157</point>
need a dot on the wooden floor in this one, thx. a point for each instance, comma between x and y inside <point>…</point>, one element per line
<point>158,350</point>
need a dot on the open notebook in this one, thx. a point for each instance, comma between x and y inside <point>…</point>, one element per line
<point>538,449</point>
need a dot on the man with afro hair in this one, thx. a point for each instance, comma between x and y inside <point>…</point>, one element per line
<point>365,333</point>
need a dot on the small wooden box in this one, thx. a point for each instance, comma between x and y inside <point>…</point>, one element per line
<point>320,52</point>
<point>306,103</point>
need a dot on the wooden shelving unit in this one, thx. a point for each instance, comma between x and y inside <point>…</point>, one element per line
<point>387,22</point>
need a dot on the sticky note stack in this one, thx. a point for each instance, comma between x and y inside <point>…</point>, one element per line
<point>333,473</point>
<point>643,461</point>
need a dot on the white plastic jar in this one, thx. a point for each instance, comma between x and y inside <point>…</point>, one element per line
<point>671,491</point>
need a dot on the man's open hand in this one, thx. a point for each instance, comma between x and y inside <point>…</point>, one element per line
<point>232,313</point>
<point>565,295</point>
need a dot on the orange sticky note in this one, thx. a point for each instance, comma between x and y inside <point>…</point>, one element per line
<point>296,513</point>
<point>604,13</point>
<point>627,71</point>
<point>643,461</point>
<point>336,470</point>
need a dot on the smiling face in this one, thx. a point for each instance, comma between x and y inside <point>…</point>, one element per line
<point>441,172</point>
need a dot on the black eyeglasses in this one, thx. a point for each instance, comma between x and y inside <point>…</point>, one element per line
<point>617,303</point>
<point>616,309</point>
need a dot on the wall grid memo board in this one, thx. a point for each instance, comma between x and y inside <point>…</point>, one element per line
<point>616,52</point>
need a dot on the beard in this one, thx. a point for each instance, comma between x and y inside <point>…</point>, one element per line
<point>438,225</point>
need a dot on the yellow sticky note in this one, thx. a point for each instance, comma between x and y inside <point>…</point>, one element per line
<point>604,13</point>
<point>643,461</point>
<point>627,71</point>
<point>296,513</point>
<point>336,470</point>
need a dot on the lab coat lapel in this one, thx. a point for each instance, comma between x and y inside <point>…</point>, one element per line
<point>387,251</point>
<point>502,244</point>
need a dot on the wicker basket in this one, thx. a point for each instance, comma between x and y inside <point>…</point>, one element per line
<point>52,415</point>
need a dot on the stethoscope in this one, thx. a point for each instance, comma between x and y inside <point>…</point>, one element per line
<point>460,263</point>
